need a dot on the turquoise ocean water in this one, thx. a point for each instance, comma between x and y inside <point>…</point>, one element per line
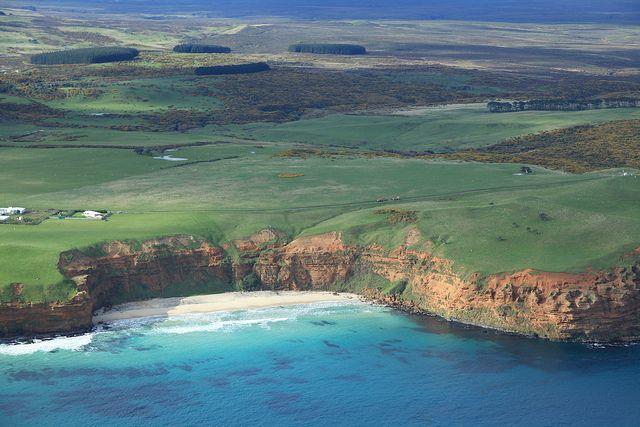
<point>321,364</point>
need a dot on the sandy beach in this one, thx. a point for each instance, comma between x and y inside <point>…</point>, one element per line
<point>231,301</point>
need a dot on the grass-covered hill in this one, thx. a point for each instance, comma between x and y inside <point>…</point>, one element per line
<point>200,48</point>
<point>328,48</point>
<point>437,130</point>
<point>576,149</point>
<point>484,217</point>
<point>90,55</point>
<point>87,137</point>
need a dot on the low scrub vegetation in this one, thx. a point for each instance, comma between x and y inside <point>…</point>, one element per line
<point>575,149</point>
<point>328,48</point>
<point>91,55</point>
<point>254,67</point>
<point>395,216</point>
<point>290,175</point>
<point>201,48</point>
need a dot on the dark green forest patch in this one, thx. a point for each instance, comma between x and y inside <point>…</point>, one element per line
<point>90,55</point>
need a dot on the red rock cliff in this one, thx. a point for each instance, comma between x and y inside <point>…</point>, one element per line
<point>594,306</point>
<point>25,319</point>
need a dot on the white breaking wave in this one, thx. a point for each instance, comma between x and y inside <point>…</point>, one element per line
<point>190,323</point>
<point>263,317</point>
<point>75,343</point>
<point>221,325</point>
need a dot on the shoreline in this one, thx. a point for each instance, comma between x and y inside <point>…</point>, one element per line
<point>228,301</point>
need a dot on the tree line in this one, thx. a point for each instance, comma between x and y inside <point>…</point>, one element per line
<point>200,48</point>
<point>253,67</point>
<point>561,105</point>
<point>90,55</point>
<point>328,48</point>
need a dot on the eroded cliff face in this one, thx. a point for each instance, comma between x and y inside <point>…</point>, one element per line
<point>127,271</point>
<point>593,306</point>
<point>118,272</point>
<point>24,319</point>
<point>314,262</point>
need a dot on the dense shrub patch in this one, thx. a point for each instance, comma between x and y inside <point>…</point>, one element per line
<point>201,48</point>
<point>328,48</point>
<point>254,67</point>
<point>576,149</point>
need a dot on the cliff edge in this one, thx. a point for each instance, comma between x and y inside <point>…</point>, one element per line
<point>598,306</point>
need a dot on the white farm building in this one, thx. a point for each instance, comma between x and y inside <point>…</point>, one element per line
<point>93,214</point>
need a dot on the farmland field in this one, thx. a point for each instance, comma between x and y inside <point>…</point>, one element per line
<point>458,204</point>
<point>310,145</point>
<point>436,129</point>
<point>137,96</point>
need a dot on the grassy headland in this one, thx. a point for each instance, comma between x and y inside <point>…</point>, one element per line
<point>76,137</point>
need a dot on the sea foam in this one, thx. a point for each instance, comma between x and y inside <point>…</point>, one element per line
<point>188,323</point>
<point>231,321</point>
<point>75,343</point>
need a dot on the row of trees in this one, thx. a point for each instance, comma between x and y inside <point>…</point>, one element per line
<point>328,48</point>
<point>90,55</point>
<point>562,104</point>
<point>200,48</point>
<point>253,67</point>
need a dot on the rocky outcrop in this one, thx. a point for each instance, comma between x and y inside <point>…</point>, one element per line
<point>592,306</point>
<point>314,262</point>
<point>25,319</point>
<point>595,306</point>
<point>117,272</point>
<point>561,105</point>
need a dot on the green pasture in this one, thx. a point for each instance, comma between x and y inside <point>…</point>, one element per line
<point>569,228</point>
<point>466,211</point>
<point>18,134</point>
<point>484,217</point>
<point>249,181</point>
<point>140,95</point>
<point>39,171</point>
<point>436,129</point>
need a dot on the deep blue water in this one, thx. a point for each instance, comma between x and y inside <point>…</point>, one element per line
<point>322,364</point>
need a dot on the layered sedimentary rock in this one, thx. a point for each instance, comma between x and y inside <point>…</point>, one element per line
<point>315,262</point>
<point>118,272</point>
<point>593,306</point>
<point>26,319</point>
<point>128,271</point>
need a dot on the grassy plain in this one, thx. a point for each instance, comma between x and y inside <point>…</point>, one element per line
<point>484,217</point>
<point>466,211</point>
<point>437,129</point>
<point>139,96</point>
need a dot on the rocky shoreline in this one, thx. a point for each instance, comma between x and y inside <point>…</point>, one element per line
<point>598,306</point>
